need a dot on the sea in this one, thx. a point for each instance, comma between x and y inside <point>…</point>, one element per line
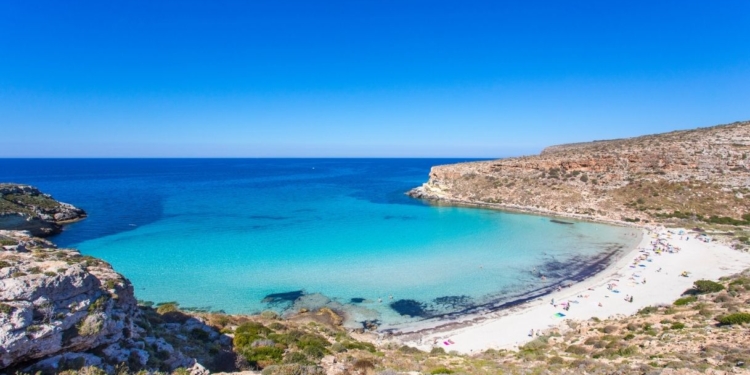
<point>250,235</point>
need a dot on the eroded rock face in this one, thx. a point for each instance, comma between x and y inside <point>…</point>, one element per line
<point>24,207</point>
<point>61,310</point>
<point>700,172</point>
<point>56,301</point>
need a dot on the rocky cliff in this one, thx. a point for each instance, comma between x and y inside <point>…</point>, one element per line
<point>24,207</point>
<point>702,174</point>
<point>61,310</point>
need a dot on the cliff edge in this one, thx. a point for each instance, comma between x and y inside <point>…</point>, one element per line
<point>701,174</point>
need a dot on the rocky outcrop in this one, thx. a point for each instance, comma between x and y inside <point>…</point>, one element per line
<point>62,310</point>
<point>24,207</point>
<point>56,301</point>
<point>699,173</point>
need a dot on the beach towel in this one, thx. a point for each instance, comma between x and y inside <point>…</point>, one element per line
<point>615,291</point>
<point>560,315</point>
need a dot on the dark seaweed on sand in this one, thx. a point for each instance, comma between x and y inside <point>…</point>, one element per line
<point>454,302</point>
<point>411,308</point>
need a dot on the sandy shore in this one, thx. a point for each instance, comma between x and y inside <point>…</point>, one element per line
<point>595,297</point>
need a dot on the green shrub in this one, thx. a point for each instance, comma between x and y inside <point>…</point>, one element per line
<point>6,309</point>
<point>437,351</point>
<point>629,336</point>
<point>91,325</point>
<point>268,314</point>
<point>166,307</point>
<point>534,345</point>
<point>441,370</point>
<point>263,356</point>
<point>409,349</point>
<point>632,327</point>
<point>707,286</point>
<point>17,274</point>
<point>685,300</point>
<point>576,349</point>
<point>4,264</point>
<point>648,310</point>
<point>677,325</point>
<point>358,345</point>
<point>297,357</point>
<point>736,318</point>
<point>247,333</point>
<point>199,334</point>
<point>50,273</point>
<point>7,241</point>
<point>628,351</point>
<point>363,365</point>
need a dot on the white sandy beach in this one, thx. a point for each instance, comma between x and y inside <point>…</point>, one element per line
<point>593,297</point>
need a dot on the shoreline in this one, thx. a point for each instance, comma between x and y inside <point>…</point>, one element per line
<point>460,318</point>
<point>431,198</point>
<point>510,328</point>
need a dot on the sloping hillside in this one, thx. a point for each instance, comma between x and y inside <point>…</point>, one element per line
<point>701,174</point>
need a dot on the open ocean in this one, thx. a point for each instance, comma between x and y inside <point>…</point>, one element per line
<point>247,235</point>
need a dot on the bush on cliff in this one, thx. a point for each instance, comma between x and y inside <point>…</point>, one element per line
<point>736,318</point>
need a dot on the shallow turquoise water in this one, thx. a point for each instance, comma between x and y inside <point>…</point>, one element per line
<point>224,234</point>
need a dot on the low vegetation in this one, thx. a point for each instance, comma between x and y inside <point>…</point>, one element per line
<point>697,332</point>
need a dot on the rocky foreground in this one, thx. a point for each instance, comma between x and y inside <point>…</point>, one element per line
<point>61,310</point>
<point>701,174</point>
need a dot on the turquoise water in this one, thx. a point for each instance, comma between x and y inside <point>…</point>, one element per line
<point>224,234</point>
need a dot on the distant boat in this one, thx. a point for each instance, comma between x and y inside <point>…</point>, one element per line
<point>561,222</point>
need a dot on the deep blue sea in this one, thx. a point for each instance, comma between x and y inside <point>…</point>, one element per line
<point>247,235</point>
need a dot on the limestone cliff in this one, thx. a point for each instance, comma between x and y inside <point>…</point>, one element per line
<point>24,207</point>
<point>61,310</point>
<point>703,174</point>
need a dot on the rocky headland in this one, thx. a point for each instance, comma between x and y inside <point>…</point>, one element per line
<point>24,207</point>
<point>701,174</point>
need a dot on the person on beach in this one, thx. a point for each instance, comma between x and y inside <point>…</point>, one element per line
<point>531,334</point>
<point>552,302</point>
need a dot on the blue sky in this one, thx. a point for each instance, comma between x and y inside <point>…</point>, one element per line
<point>362,78</point>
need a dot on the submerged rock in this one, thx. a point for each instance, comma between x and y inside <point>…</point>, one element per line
<point>286,297</point>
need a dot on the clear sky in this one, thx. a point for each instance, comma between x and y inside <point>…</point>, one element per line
<point>362,78</point>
